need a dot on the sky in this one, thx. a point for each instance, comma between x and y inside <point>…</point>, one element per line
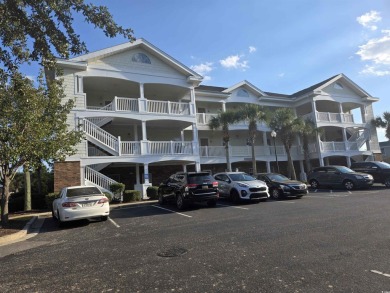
<point>280,46</point>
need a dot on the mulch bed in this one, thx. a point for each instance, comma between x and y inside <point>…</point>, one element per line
<point>16,222</point>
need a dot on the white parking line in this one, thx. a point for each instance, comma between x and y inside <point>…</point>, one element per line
<point>172,211</point>
<point>113,222</point>
<point>222,205</point>
<point>380,273</point>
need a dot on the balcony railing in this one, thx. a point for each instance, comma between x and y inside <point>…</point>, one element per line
<point>204,119</point>
<point>121,104</point>
<point>246,151</point>
<point>334,117</point>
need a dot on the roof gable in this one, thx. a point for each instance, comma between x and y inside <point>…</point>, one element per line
<point>248,86</point>
<point>138,46</point>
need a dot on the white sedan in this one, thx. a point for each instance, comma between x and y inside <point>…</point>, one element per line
<point>80,202</point>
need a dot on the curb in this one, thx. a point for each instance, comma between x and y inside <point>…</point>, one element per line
<point>18,235</point>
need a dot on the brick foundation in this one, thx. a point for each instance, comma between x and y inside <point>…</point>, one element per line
<point>66,174</point>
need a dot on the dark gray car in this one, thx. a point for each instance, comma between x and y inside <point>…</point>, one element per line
<point>340,176</point>
<point>379,170</point>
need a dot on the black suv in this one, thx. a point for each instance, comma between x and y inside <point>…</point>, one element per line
<point>184,188</point>
<point>338,176</point>
<point>379,170</point>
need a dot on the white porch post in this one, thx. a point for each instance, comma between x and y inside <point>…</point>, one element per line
<point>142,102</point>
<point>341,112</point>
<point>348,161</point>
<point>195,143</point>
<point>197,166</point>
<point>144,141</point>
<point>192,102</point>
<point>82,175</point>
<point>313,105</point>
<point>184,168</point>
<point>363,113</point>
<point>146,173</point>
<point>268,165</point>
<point>223,107</point>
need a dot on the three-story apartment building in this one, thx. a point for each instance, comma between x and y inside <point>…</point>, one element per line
<point>145,115</point>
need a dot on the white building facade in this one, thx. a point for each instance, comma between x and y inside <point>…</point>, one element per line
<point>145,115</point>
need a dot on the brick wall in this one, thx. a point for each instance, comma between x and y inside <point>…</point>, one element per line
<point>66,174</point>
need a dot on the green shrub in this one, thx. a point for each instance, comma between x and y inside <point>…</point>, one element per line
<point>131,195</point>
<point>152,192</point>
<point>117,188</point>
<point>108,195</point>
<point>49,198</point>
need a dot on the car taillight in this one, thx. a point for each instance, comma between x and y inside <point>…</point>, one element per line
<point>215,184</point>
<point>103,200</point>
<point>69,204</point>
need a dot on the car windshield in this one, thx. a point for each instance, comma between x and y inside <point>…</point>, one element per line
<point>241,177</point>
<point>277,177</point>
<point>345,170</point>
<point>383,165</point>
<point>83,191</point>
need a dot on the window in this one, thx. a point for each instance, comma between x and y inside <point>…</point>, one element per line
<point>141,58</point>
<point>338,86</point>
<point>242,93</point>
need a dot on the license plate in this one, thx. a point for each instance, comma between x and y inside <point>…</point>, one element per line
<point>205,187</point>
<point>89,204</point>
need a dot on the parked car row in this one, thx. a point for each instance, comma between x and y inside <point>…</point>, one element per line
<point>360,175</point>
<point>186,188</point>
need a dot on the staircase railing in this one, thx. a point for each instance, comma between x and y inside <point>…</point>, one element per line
<point>100,135</point>
<point>98,178</point>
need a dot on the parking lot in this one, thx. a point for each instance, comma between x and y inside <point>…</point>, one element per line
<point>327,241</point>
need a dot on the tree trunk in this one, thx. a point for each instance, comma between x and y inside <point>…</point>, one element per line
<point>4,200</point>
<point>27,188</point>
<point>254,167</point>
<point>291,168</point>
<point>229,166</point>
<point>39,175</point>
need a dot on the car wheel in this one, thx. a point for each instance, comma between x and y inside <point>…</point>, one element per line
<point>212,203</point>
<point>276,194</point>
<point>104,218</point>
<point>234,196</point>
<point>348,184</point>
<point>387,182</point>
<point>180,202</point>
<point>60,223</point>
<point>161,199</point>
<point>314,184</point>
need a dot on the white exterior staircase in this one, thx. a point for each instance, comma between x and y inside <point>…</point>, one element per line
<point>94,178</point>
<point>100,137</point>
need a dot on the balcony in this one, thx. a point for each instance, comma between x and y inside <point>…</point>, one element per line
<point>203,119</point>
<point>120,104</point>
<point>246,151</point>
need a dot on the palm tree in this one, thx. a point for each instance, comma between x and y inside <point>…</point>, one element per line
<point>224,120</point>
<point>308,132</point>
<point>287,126</point>
<point>253,114</point>
<point>383,123</point>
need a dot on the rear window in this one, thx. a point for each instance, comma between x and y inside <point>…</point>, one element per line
<point>199,178</point>
<point>83,191</point>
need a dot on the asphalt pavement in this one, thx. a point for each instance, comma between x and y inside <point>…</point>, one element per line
<point>328,241</point>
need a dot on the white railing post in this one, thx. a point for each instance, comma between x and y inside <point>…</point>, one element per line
<point>119,146</point>
<point>172,148</point>
<point>169,107</point>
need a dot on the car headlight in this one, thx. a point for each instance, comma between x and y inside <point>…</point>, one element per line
<point>243,185</point>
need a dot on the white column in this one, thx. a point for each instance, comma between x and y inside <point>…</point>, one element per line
<point>345,138</point>
<point>192,102</point>
<point>268,165</point>
<point>195,141</point>
<point>184,168</point>
<point>142,102</point>
<point>146,173</point>
<point>182,135</point>
<point>223,107</point>
<point>144,141</point>
<point>197,167</point>
<point>144,134</point>
<point>363,113</point>
<point>82,175</point>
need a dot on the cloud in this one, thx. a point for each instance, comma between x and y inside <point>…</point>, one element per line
<point>281,74</point>
<point>203,69</point>
<point>377,53</point>
<point>367,20</point>
<point>234,61</point>
<point>252,49</point>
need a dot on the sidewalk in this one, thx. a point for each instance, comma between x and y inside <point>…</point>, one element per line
<point>33,227</point>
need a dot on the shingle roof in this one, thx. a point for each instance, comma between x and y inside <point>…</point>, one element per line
<point>210,88</point>
<point>312,88</point>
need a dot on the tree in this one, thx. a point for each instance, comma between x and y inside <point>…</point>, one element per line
<point>253,114</point>
<point>308,132</point>
<point>37,30</point>
<point>33,124</point>
<point>383,123</point>
<point>288,127</point>
<point>224,120</point>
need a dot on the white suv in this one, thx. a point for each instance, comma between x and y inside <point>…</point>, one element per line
<point>241,186</point>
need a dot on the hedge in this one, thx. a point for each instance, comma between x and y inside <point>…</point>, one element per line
<point>152,192</point>
<point>49,198</point>
<point>131,195</point>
